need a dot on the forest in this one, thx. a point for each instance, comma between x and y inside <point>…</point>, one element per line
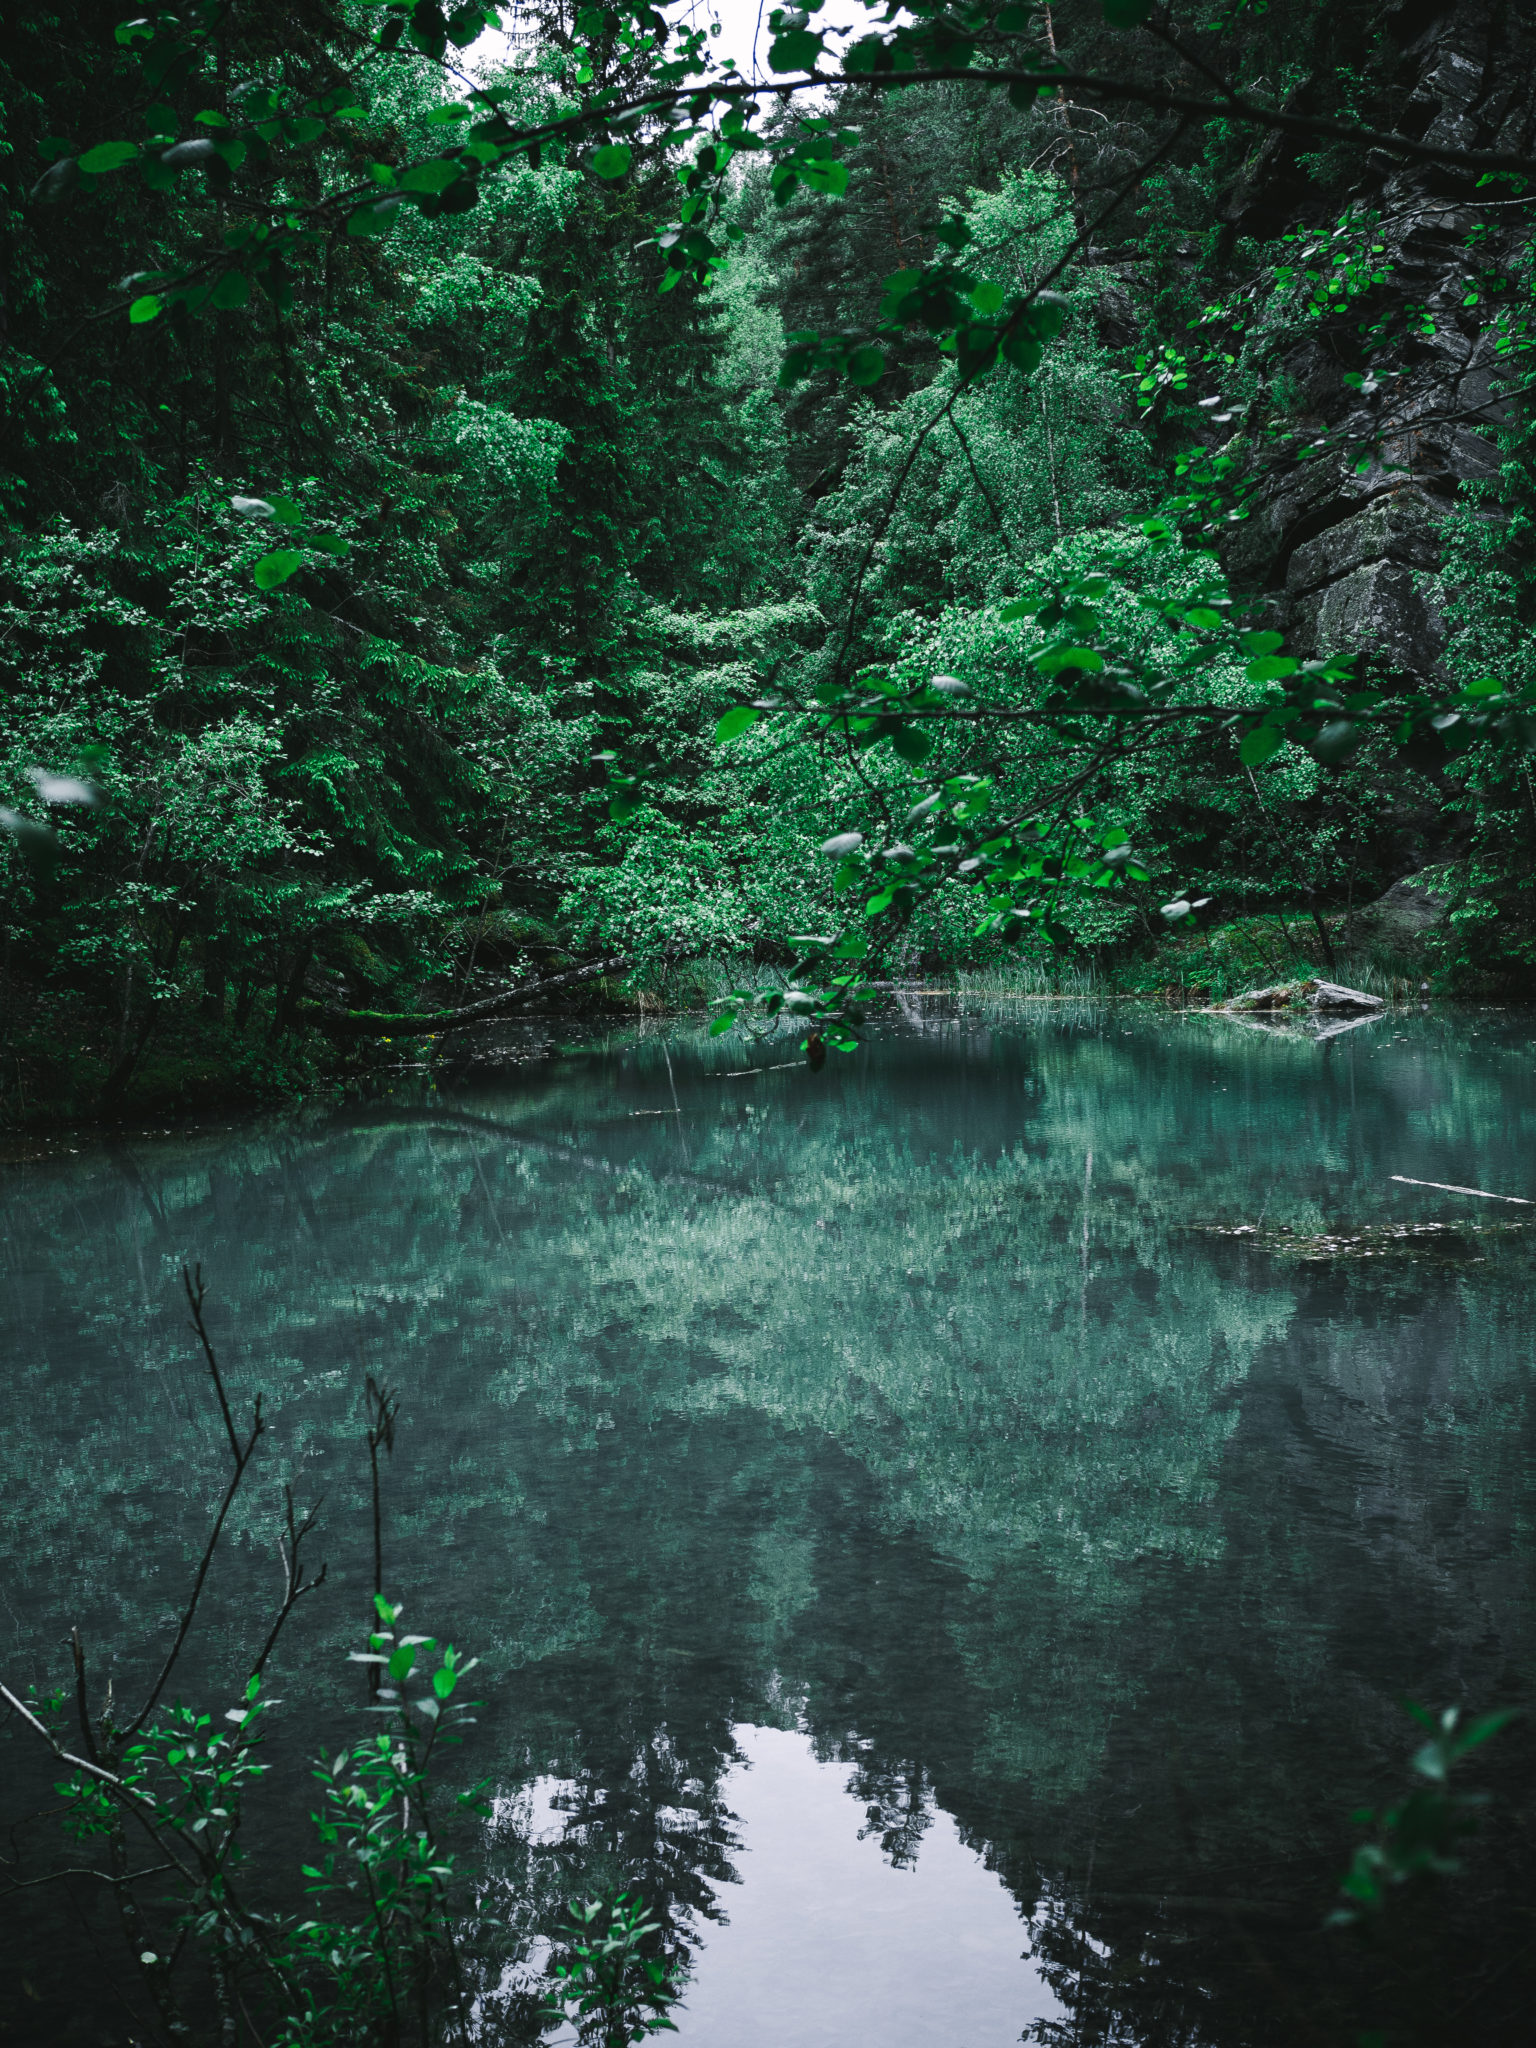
<point>472,519</point>
<point>733,551</point>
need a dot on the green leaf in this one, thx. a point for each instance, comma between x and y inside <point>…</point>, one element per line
<point>736,721</point>
<point>722,1024</point>
<point>1046,317</point>
<point>108,156</point>
<point>1023,349</point>
<point>825,174</point>
<point>374,216</point>
<point>1259,745</point>
<point>612,160</point>
<point>443,1682</point>
<point>1481,1730</point>
<point>912,743</point>
<point>1055,659</point>
<point>276,568</point>
<point>435,176</point>
<point>795,50</point>
<point>147,308</point>
<point>1271,668</point>
<point>1263,643</point>
<point>865,366</point>
<point>233,289</point>
<point>1337,738</point>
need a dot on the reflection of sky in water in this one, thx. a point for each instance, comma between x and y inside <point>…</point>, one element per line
<point>827,1943</point>
<point>924,1404</point>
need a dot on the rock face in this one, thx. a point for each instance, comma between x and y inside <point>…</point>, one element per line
<point>1315,996</point>
<point>1355,586</point>
<point>1405,916</point>
<point>1346,546</point>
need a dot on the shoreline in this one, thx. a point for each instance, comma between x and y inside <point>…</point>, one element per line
<point>46,1133</point>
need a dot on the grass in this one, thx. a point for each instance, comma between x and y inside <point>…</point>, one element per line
<point>1188,967</point>
<point>1208,966</point>
<point>1032,979</point>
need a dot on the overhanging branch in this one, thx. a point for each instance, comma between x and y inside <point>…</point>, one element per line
<point>427,1023</point>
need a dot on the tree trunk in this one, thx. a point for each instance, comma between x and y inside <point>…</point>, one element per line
<point>288,989</point>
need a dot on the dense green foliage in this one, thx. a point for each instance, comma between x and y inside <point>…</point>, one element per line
<point>385,549</point>
<point>1029,482</point>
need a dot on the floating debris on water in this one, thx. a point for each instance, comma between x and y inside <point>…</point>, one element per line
<point>1450,1188</point>
<point>1444,1243</point>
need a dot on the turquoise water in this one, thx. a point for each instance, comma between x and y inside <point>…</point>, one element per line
<point>948,1528</point>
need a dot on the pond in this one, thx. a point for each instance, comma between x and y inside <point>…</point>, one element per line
<point>956,1529</point>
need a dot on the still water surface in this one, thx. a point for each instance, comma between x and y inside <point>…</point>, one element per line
<point>908,1533</point>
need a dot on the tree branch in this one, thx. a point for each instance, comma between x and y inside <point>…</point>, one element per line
<point>196,1292</point>
<point>242,1453</point>
<point>422,1023</point>
<point>294,1585</point>
<point>27,1884</point>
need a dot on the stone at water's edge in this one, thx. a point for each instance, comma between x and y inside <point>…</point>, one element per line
<point>1303,995</point>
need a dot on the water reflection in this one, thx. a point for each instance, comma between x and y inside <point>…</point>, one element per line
<point>913,1406</point>
<point>829,1942</point>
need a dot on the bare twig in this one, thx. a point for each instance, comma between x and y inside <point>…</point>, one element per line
<point>196,1293</point>
<point>82,1708</point>
<point>295,1585</point>
<point>242,1453</point>
<point>27,1884</point>
<point>985,490</point>
<point>894,499</point>
<point>383,1407</point>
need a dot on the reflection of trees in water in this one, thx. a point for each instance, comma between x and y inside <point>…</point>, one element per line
<point>1031,1506</point>
<point>898,1806</point>
<point>638,1818</point>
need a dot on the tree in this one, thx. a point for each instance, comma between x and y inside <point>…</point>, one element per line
<point>1325,288</point>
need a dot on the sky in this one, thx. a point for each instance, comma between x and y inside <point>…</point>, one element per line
<point>743,27</point>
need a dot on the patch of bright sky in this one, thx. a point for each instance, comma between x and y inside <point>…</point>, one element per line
<point>744,31</point>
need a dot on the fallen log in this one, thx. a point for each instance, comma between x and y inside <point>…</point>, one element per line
<point>428,1023</point>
